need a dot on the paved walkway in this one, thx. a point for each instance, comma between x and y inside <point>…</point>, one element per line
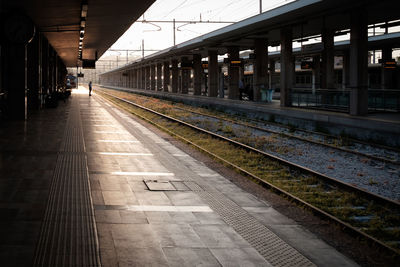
<point>120,194</point>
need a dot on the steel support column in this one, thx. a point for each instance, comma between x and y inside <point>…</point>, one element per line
<point>287,67</point>
<point>166,78</point>
<point>316,72</point>
<point>197,74</point>
<point>143,78</point>
<point>135,78</point>
<point>33,74</point>
<point>212,82</point>
<point>153,77</point>
<point>328,59</point>
<point>185,74</point>
<point>271,85</point>
<point>221,86</point>
<point>387,74</point>
<point>159,76</point>
<point>175,75</point>
<point>147,78</point>
<point>14,79</point>
<point>346,70</point>
<point>260,67</point>
<point>233,73</point>
<point>359,63</point>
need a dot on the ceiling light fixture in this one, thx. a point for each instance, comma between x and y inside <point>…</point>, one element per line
<point>84,10</point>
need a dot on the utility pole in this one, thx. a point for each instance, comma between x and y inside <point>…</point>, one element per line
<point>142,48</point>
<point>260,6</point>
<point>174,31</point>
<point>77,78</point>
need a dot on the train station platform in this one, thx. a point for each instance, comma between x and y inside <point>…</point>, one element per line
<point>87,184</point>
<point>381,127</point>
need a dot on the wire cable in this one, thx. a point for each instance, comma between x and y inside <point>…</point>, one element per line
<point>184,1</point>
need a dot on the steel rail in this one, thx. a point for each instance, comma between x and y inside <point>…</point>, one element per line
<point>311,207</point>
<point>335,181</point>
<point>295,137</point>
<point>303,139</point>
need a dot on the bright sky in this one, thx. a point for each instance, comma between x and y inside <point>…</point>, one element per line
<point>160,35</point>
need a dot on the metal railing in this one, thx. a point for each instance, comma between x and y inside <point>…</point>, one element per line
<point>326,99</point>
<point>384,100</point>
<point>387,100</point>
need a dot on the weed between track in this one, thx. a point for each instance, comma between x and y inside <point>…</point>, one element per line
<point>376,220</point>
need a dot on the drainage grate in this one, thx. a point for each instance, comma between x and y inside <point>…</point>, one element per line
<point>159,185</point>
<point>175,185</point>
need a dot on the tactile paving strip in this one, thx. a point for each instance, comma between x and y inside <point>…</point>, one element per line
<point>68,236</point>
<point>193,186</point>
<point>276,251</point>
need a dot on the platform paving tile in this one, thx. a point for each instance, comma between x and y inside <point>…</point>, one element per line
<point>149,256</point>
<point>134,236</point>
<point>209,218</point>
<point>139,227</point>
<point>108,257</point>
<point>114,198</point>
<point>269,216</point>
<point>185,198</point>
<point>105,236</point>
<point>28,152</point>
<point>244,257</point>
<point>184,217</point>
<point>133,217</point>
<point>137,186</point>
<point>177,235</point>
<point>109,184</point>
<point>97,197</point>
<point>159,217</point>
<point>220,236</point>
<point>108,216</point>
<point>114,146</point>
<point>178,256</point>
<point>296,233</point>
<point>318,250</point>
<point>244,199</point>
<point>153,198</point>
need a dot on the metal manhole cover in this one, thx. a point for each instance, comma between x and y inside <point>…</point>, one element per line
<point>159,185</point>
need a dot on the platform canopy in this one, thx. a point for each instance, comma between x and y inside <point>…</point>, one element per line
<point>60,21</point>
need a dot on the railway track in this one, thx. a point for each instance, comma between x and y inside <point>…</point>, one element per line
<point>333,139</point>
<point>372,173</point>
<point>370,216</point>
<point>345,143</point>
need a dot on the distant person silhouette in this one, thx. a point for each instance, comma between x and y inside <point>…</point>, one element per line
<point>90,88</point>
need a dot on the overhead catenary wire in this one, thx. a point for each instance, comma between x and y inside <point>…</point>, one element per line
<point>175,8</point>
